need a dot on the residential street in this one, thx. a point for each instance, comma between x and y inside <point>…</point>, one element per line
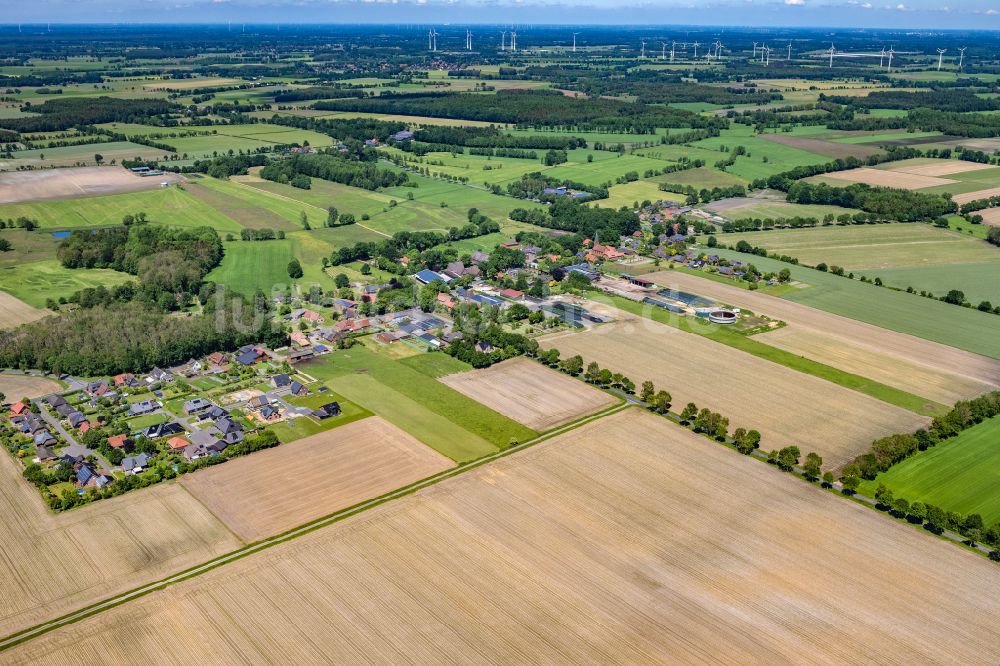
<point>74,448</point>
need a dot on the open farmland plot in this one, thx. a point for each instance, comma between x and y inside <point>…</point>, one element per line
<point>71,156</point>
<point>964,328</point>
<point>25,186</point>
<point>36,282</point>
<point>171,206</point>
<point>251,265</point>
<point>786,406</point>
<point>883,178</point>
<point>274,490</point>
<point>942,168</point>
<point>530,393</point>
<point>57,563</point>
<point>16,387</point>
<point>960,474</point>
<point>14,312</point>
<point>871,246</point>
<point>978,194</point>
<point>830,149</point>
<point>613,543</point>
<point>922,367</point>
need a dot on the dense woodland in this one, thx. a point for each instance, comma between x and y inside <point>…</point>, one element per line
<point>60,114</point>
<point>536,108</point>
<point>334,168</point>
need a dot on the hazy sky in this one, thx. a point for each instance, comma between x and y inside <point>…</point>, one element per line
<point>977,14</point>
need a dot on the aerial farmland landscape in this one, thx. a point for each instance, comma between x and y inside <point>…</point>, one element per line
<point>468,332</point>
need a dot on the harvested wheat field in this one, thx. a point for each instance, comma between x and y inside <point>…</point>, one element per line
<point>978,194</point>
<point>942,168</point>
<point>991,216</point>
<point>958,374</point>
<point>55,563</point>
<point>620,542</point>
<point>873,364</point>
<point>14,311</point>
<point>530,393</point>
<point>275,490</point>
<point>883,178</point>
<point>16,187</point>
<point>821,146</point>
<point>16,387</point>
<point>786,406</point>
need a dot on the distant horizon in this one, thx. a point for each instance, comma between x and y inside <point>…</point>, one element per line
<point>920,15</point>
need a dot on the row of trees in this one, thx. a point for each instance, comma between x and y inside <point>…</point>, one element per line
<point>937,519</point>
<point>884,203</point>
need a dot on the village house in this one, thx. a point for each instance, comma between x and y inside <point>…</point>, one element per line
<point>136,464</point>
<point>120,442</point>
<point>298,389</point>
<point>297,355</point>
<point>280,381</point>
<point>177,443</point>
<point>158,376</point>
<point>217,359</point>
<point>55,400</point>
<point>142,407</point>
<point>228,430</point>
<point>159,430</point>
<point>446,300</point>
<point>95,389</point>
<point>19,408</point>
<point>125,379</point>
<point>326,411</point>
<point>196,405</point>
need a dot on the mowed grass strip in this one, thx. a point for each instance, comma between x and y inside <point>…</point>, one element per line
<point>437,415</point>
<point>961,474</point>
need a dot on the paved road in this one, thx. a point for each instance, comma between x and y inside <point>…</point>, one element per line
<point>74,448</point>
<point>116,600</point>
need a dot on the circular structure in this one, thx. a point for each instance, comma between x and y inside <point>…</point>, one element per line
<point>722,317</point>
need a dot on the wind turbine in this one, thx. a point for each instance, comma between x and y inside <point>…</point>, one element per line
<point>763,48</point>
<point>789,57</point>
<point>696,45</point>
<point>891,52</point>
<point>642,53</point>
<point>833,50</point>
<point>574,41</point>
<point>430,39</point>
<point>673,45</point>
<point>663,50</point>
<point>940,57</point>
<point>961,54</point>
<point>754,51</point>
<point>881,57</point>
<point>468,40</point>
<point>503,40</point>
<point>718,49</point>
<point>513,41</point>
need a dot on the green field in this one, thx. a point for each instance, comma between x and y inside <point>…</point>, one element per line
<point>412,399</point>
<point>764,208</point>
<point>961,474</point>
<point>298,428</point>
<point>902,255</point>
<point>778,156</point>
<point>171,206</point>
<point>38,281</point>
<point>251,265</point>
<point>898,311</point>
<point>638,191</point>
<point>702,177</point>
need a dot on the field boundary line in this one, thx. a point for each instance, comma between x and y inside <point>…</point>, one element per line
<point>30,633</point>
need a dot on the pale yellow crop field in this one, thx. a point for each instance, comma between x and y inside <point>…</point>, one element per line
<point>530,393</point>
<point>629,540</point>
<point>275,490</point>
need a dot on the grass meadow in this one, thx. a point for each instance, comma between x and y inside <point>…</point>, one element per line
<point>412,399</point>
<point>961,474</point>
<point>897,311</point>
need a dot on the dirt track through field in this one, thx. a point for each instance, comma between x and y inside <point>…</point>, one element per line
<point>275,490</point>
<point>55,563</point>
<point>629,540</point>
<point>22,186</point>
<point>530,393</point>
<point>786,406</point>
<point>959,373</point>
<point>14,311</point>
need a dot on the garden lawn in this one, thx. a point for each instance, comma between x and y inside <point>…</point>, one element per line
<point>961,474</point>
